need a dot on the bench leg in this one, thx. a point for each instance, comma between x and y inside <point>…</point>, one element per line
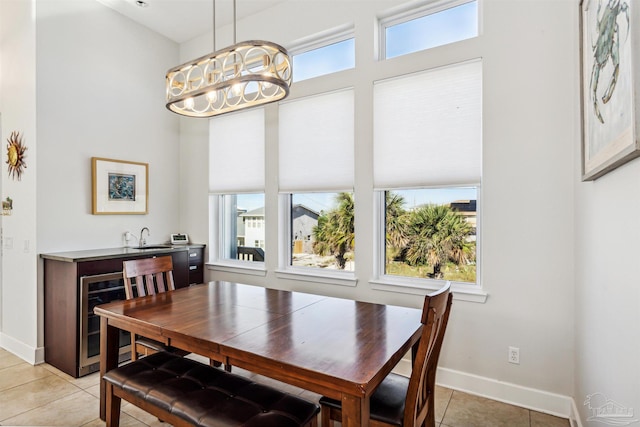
<point>218,364</point>
<point>113,407</point>
<point>325,416</point>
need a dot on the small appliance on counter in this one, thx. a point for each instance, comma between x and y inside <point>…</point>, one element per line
<point>179,239</point>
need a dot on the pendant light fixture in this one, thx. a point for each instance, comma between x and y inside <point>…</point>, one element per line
<point>244,75</point>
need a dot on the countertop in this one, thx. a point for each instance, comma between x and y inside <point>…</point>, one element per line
<point>100,254</point>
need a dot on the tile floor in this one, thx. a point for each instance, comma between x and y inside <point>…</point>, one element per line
<point>44,396</point>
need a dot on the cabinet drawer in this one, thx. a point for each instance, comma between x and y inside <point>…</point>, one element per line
<point>195,256</point>
<point>196,275</point>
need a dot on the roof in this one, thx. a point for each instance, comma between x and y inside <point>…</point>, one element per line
<point>255,212</point>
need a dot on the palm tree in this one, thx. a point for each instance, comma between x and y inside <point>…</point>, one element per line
<point>334,234</point>
<point>396,221</point>
<point>438,235</point>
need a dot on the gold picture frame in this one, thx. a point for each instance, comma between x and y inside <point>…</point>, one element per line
<point>610,104</point>
<point>119,187</point>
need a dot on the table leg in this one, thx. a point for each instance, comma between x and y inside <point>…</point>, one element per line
<point>109,349</point>
<point>355,411</point>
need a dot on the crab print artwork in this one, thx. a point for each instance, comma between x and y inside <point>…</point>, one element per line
<point>608,85</point>
<point>607,49</point>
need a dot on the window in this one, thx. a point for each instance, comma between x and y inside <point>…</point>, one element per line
<point>408,34</point>
<point>322,230</point>
<point>431,233</point>
<point>427,137</point>
<point>332,56</point>
<point>316,167</point>
<point>237,215</point>
<point>236,184</point>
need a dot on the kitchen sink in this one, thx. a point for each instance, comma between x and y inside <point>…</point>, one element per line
<point>155,247</point>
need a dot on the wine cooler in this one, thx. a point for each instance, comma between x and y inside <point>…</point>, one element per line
<point>95,290</point>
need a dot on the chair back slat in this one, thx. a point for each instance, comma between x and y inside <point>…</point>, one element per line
<point>147,276</point>
<point>419,406</point>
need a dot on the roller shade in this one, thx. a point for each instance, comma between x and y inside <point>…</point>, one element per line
<point>428,128</point>
<point>316,143</point>
<point>236,152</point>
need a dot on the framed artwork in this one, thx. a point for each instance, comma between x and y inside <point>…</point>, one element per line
<point>609,44</point>
<point>119,187</point>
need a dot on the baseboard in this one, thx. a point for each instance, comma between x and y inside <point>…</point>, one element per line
<point>525,397</point>
<point>33,355</point>
<point>575,415</point>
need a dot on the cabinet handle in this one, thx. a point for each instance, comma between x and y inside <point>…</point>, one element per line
<point>193,267</point>
<point>193,254</point>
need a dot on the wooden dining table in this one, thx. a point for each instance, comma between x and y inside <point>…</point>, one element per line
<point>337,347</point>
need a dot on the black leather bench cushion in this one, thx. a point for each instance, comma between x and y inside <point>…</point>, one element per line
<point>387,402</point>
<point>206,396</point>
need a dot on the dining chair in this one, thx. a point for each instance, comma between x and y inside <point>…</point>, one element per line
<point>150,276</point>
<point>147,276</point>
<point>402,401</point>
<point>142,277</point>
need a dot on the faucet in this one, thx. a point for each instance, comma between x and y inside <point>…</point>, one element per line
<point>142,242</point>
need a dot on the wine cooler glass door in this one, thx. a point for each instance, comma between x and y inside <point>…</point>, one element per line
<point>95,290</point>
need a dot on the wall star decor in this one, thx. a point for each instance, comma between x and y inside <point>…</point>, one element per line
<point>15,155</point>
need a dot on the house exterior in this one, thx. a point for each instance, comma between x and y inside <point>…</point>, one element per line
<point>469,210</point>
<point>254,228</point>
<point>303,220</point>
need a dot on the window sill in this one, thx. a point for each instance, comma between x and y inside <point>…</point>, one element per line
<point>239,267</point>
<point>461,292</point>
<point>336,278</point>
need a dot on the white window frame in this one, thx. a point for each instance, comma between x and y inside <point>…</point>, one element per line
<point>305,274</point>
<point>464,290</point>
<point>217,227</point>
<point>321,40</point>
<point>411,12</point>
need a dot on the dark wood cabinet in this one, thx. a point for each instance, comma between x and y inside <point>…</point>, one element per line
<point>196,265</point>
<point>74,282</point>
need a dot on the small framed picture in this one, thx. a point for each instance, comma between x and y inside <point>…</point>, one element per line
<point>119,187</point>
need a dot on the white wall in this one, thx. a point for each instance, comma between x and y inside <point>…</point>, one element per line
<point>529,53</point>
<point>18,113</point>
<point>607,290</point>
<point>101,93</point>
<point>607,270</point>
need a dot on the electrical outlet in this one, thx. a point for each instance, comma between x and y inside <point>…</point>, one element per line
<point>514,355</point>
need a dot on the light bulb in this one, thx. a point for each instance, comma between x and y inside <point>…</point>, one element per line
<point>236,89</point>
<point>189,103</point>
<point>212,96</point>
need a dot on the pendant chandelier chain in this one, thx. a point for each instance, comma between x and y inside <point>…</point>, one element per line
<point>214,25</point>
<point>235,33</point>
<point>234,22</point>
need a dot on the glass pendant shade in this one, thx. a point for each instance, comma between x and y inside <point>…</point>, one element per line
<point>244,75</point>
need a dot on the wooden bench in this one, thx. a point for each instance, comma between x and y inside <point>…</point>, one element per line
<point>184,392</point>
